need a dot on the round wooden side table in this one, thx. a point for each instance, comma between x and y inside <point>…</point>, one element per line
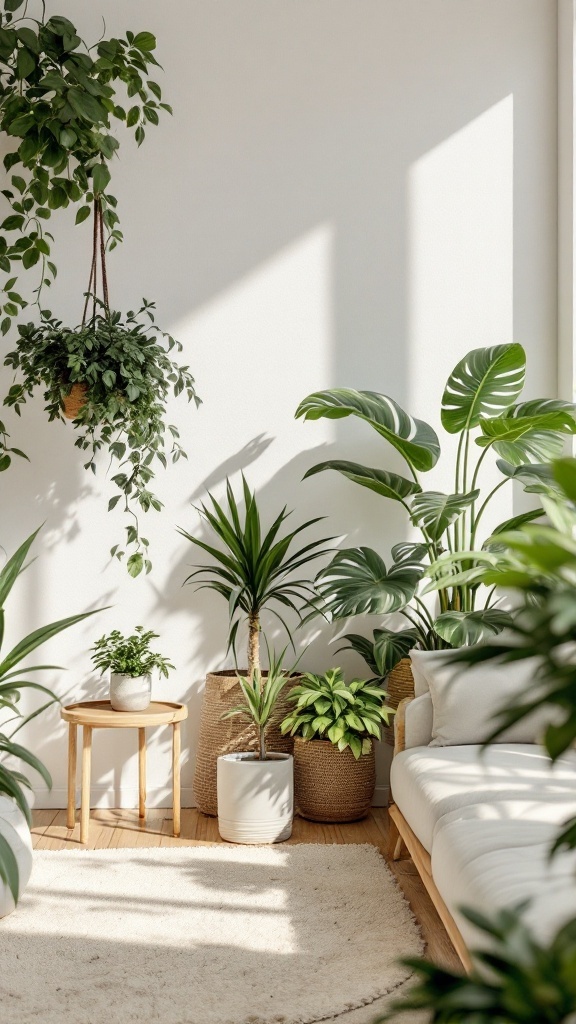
<point>99,714</point>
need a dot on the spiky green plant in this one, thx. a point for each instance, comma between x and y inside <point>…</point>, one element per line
<point>253,569</point>
<point>261,692</point>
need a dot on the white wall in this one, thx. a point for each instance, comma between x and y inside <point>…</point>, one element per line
<point>349,193</point>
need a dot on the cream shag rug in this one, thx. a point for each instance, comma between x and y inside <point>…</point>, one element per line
<point>205,935</point>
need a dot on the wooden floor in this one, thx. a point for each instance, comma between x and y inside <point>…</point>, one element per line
<point>111,829</point>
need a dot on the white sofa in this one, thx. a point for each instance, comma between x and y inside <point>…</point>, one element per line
<point>478,823</point>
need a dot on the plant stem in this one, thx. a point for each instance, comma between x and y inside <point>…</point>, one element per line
<point>253,645</point>
<point>262,743</point>
<point>481,511</point>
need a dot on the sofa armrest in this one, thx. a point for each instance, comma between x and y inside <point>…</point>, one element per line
<point>413,723</point>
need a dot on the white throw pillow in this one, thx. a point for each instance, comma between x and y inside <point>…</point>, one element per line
<point>466,699</point>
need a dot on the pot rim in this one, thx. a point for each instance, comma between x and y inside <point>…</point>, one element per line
<point>250,757</point>
<point>126,675</point>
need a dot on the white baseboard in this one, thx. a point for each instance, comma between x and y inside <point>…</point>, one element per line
<point>127,797</point>
<point>381,796</point>
<point>109,797</point>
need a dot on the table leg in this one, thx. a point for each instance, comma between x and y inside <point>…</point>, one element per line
<point>71,814</point>
<point>86,767</point>
<point>176,776</point>
<point>142,773</point>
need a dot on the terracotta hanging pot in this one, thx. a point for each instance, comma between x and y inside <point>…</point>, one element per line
<point>74,400</point>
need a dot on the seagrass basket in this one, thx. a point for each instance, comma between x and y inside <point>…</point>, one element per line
<point>399,684</point>
<point>74,401</point>
<point>232,735</point>
<point>330,784</point>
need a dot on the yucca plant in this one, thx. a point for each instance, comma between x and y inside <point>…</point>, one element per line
<point>479,405</point>
<point>261,693</point>
<point>13,681</point>
<point>346,714</point>
<point>254,569</point>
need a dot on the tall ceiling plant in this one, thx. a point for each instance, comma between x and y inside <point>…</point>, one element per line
<point>255,569</point>
<point>14,680</point>
<point>480,406</point>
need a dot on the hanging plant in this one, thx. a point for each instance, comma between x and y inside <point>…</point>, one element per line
<point>58,101</point>
<point>112,377</point>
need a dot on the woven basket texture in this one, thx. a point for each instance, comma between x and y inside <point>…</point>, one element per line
<point>330,784</point>
<point>74,401</point>
<point>232,735</point>
<point>399,684</point>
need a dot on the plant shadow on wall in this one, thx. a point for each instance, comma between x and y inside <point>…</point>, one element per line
<point>112,374</point>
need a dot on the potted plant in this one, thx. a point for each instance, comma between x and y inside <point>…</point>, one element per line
<point>256,788</point>
<point>15,841</point>
<point>480,406</point>
<point>130,663</point>
<point>255,570</point>
<point>334,724</point>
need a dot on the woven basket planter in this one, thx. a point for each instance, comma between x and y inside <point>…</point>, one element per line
<point>74,401</point>
<point>399,684</point>
<point>231,736</point>
<point>330,784</point>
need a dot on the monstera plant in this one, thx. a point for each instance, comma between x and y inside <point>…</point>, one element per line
<point>480,406</point>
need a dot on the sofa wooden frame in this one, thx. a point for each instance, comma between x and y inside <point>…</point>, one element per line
<point>418,853</point>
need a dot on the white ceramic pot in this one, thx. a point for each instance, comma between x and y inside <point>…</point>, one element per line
<point>255,798</point>
<point>130,693</point>
<point>14,828</point>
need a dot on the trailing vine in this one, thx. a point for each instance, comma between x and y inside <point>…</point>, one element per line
<point>58,102</point>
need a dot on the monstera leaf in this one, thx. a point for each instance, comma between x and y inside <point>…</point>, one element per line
<point>357,582</point>
<point>516,522</point>
<point>407,553</point>
<point>536,478</point>
<point>464,628</point>
<point>388,485</point>
<point>483,384</point>
<point>416,441</point>
<point>530,432</point>
<point>383,653</point>
<point>434,511</point>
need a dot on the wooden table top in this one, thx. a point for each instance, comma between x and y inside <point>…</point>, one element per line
<point>101,715</point>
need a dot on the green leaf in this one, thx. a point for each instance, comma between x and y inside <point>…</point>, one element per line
<point>8,862</point>
<point>530,432</point>
<point>132,117</point>
<point>145,41</point>
<point>30,258</point>
<point>100,177</point>
<point>25,63</point>
<point>388,485</point>
<point>482,385</point>
<point>87,106</point>
<point>415,440</point>
<point>434,511</point>
<point>357,582</point>
<point>464,628</point>
<point>135,564</point>
<point>537,478</point>
<point>12,5</point>
<point>516,522</point>
<point>12,223</point>
<point>385,651</point>
<point>564,473</point>
<point>83,214</point>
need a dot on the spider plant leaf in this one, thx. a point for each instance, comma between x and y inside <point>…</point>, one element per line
<point>387,485</point>
<point>357,582</point>
<point>416,441</point>
<point>38,637</point>
<point>14,566</point>
<point>482,385</point>
<point>9,868</point>
<point>464,628</point>
<point>434,511</point>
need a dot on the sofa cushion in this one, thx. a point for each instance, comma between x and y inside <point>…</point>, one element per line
<point>488,857</point>
<point>429,782</point>
<point>466,699</point>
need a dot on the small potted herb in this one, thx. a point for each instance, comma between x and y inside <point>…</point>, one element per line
<point>130,662</point>
<point>334,724</point>
<point>256,788</point>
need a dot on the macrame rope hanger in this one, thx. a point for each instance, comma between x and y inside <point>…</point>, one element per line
<point>98,256</point>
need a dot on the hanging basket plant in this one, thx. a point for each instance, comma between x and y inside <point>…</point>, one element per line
<point>112,376</point>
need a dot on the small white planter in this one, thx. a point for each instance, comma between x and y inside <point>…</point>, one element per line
<point>14,828</point>
<point>130,693</point>
<point>255,798</point>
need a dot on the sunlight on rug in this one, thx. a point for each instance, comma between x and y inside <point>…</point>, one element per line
<point>205,935</point>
